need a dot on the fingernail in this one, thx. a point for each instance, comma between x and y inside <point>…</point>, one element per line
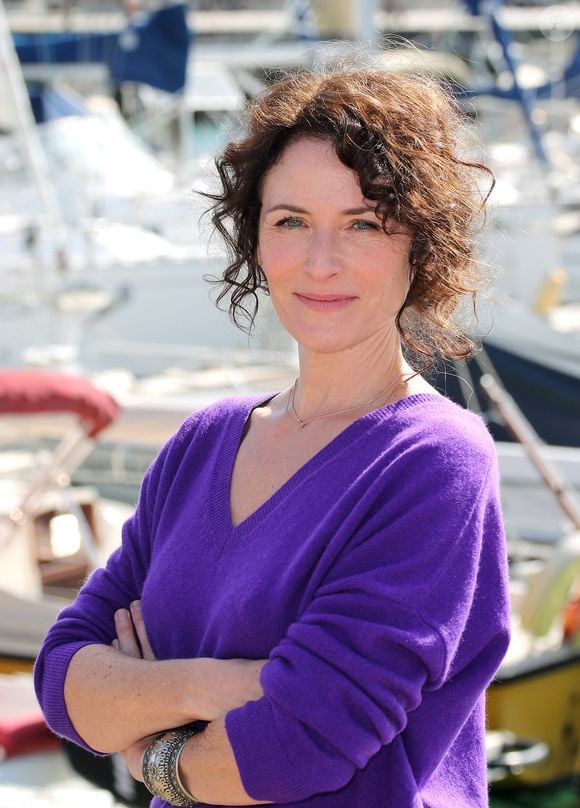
<point>122,615</point>
<point>136,606</point>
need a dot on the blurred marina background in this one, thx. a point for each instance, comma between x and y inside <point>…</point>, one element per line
<point>110,113</point>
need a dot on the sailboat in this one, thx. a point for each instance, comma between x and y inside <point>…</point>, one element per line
<point>99,235</point>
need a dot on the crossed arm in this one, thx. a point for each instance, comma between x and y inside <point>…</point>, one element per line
<point>140,697</point>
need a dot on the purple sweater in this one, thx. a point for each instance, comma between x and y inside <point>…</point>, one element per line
<point>374,580</point>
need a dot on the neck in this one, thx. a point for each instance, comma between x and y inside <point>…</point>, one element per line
<point>347,379</point>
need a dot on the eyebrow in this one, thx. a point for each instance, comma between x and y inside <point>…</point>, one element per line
<point>349,212</point>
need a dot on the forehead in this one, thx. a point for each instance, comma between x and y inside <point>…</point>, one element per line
<point>309,167</point>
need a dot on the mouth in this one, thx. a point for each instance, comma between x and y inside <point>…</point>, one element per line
<point>326,302</point>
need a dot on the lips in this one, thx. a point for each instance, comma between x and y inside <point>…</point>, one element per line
<point>325,302</point>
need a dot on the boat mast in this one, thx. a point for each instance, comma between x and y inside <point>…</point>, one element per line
<point>22,119</point>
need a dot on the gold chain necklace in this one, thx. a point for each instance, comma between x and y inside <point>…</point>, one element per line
<point>291,408</point>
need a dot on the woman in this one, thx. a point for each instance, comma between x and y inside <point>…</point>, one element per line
<point>318,577</point>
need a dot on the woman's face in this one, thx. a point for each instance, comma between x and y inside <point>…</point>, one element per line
<point>336,279</point>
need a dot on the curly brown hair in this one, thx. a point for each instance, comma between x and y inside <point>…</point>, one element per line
<point>398,132</point>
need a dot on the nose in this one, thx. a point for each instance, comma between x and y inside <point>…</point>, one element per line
<point>324,256</point>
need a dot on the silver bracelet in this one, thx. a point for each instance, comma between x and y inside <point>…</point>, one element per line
<point>161,767</point>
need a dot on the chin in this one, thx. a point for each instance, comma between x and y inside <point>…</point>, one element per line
<point>326,345</point>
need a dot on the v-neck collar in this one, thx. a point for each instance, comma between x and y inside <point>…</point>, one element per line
<point>223,529</point>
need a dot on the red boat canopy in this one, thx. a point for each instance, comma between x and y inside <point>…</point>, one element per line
<point>32,391</point>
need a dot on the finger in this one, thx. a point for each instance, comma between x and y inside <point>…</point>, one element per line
<point>126,634</point>
<point>115,644</point>
<point>139,624</point>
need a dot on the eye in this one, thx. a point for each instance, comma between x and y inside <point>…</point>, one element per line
<point>289,221</point>
<point>365,224</point>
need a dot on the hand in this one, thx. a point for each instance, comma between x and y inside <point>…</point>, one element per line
<point>130,627</point>
<point>131,633</point>
<point>230,682</point>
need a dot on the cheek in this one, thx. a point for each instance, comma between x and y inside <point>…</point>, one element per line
<point>389,295</point>
<point>268,252</point>
<point>277,276</point>
<point>277,259</point>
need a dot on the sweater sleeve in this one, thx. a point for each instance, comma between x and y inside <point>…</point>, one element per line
<point>89,620</point>
<point>387,627</point>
